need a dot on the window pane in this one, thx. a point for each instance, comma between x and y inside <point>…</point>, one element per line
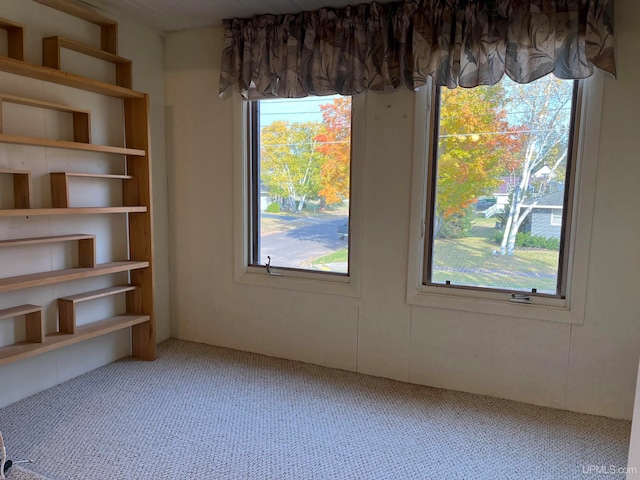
<point>500,177</point>
<point>304,180</point>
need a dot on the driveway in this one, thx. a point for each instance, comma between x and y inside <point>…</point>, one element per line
<point>296,241</point>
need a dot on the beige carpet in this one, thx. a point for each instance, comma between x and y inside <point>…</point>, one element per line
<point>202,412</point>
<point>19,473</point>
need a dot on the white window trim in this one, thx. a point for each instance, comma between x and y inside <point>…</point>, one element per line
<point>308,281</point>
<point>569,310</point>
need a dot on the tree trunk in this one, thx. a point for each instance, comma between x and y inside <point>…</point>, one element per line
<point>301,203</point>
<point>437,224</point>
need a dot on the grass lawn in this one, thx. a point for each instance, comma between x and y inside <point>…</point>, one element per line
<point>333,257</point>
<point>475,261</point>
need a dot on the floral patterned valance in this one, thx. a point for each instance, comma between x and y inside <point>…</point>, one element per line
<point>382,46</point>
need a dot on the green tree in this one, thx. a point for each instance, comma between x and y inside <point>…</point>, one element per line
<point>291,162</point>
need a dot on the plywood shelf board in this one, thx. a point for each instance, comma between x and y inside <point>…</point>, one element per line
<point>88,147</point>
<point>19,310</point>
<point>30,102</point>
<point>40,240</point>
<point>95,294</point>
<point>68,274</point>
<point>97,175</point>
<point>39,212</point>
<point>52,75</point>
<point>20,351</point>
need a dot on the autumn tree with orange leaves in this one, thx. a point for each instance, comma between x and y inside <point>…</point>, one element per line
<point>335,145</point>
<point>475,147</point>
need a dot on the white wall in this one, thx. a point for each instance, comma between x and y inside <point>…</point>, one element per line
<point>587,368</point>
<point>146,49</point>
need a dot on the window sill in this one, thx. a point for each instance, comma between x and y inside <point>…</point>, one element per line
<point>300,281</point>
<point>496,306</point>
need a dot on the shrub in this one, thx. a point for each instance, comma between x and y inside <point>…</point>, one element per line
<point>273,208</point>
<point>458,225</point>
<point>526,240</point>
<point>532,241</point>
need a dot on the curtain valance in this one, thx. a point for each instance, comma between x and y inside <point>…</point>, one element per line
<point>382,46</point>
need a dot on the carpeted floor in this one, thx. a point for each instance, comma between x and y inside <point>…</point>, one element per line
<point>19,473</point>
<point>202,412</point>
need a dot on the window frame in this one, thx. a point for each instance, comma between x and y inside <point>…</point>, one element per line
<point>554,215</point>
<point>253,157</point>
<point>565,239</point>
<point>290,278</point>
<point>565,308</point>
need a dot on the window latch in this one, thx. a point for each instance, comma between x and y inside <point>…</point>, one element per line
<point>520,298</point>
<point>269,271</point>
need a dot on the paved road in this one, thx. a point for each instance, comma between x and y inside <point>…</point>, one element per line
<point>310,238</point>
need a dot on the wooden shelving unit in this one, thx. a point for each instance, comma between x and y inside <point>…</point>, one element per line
<point>136,195</point>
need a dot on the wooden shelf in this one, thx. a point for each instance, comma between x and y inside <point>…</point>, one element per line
<point>86,245</point>
<point>34,321</point>
<point>20,351</point>
<point>66,275</point>
<point>108,27</point>
<point>60,185</point>
<point>88,147</point>
<point>51,57</point>
<point>15,242</point>
<point>52,75</point>
<point>20,310</point>
<point>21,185</point>
<point>81,118</point>
<point>67,305</point>
<point>95,294</point>
<point>15,38</point>
<point>96,175</point>
<point>40,212</point>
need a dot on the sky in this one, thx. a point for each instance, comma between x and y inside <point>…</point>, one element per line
<point>292,110</point>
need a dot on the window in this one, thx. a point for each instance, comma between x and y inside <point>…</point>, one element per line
<point>501,187</point>
<point>300,184</point>
<point>556,217</point>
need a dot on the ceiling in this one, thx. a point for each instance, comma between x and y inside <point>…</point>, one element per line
<point>172,15</point>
